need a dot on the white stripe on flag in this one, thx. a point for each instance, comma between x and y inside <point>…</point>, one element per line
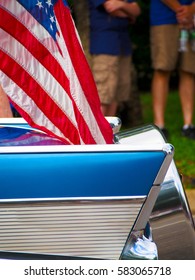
<point>27,103</point>
<point>40,74</point>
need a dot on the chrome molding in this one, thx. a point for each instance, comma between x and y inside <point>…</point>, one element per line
<point>137,245</point>
<point>115,124</point>
<point>169,150</point>
<point>76,148</point>
<point>86,229</point>
<point>152,196</point>
<point>147,209</point>
<point>12,121</point>
<point>171,220</point>
<point>136,237</point>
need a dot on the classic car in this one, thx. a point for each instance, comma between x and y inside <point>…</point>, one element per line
<point>120,201</point>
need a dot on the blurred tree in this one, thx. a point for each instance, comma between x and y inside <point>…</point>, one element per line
<point>81,16</point>
<point>140,34</point>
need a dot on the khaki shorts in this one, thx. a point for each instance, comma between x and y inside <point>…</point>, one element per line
<point>112,76</point>
<point>165,55</point>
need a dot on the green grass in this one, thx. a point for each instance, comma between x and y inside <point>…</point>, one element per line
<point>184,148</point>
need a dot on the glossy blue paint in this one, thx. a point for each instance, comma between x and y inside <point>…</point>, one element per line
<point>14,136</point>
<point>92,174</point>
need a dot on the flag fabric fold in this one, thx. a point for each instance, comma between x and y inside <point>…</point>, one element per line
<point>45,74</point>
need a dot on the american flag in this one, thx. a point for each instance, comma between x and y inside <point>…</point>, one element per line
<point>45,74</point>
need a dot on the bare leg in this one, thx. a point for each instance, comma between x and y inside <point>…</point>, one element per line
<point>186,92</point>
<point>5,110</point>
<point>160,88</point>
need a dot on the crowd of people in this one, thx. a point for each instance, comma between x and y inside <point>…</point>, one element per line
<point>111,52</point>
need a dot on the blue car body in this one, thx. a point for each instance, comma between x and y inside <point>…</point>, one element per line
<point>92,201</point>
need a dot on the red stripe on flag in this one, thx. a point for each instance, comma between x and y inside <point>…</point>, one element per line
<point>39,96</point>
<point>79,62</point>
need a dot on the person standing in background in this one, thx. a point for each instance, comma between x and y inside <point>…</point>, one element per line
<point>167,18</point>
<point>110,47</point>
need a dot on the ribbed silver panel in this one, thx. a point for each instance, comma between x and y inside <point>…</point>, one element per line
<point>86,229</point>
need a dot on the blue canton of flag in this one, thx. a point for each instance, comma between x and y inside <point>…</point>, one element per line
<point>43,12</point>
<point>65,3</point>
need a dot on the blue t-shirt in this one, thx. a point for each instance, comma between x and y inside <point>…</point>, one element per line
<point>162,14</point>
<point>108,34</point>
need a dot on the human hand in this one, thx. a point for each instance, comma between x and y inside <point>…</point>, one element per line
<point>113,6</point>
<point>123,9</point>
<point>184,16</point>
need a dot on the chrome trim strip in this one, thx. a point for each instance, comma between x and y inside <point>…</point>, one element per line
<point>146,210</point>
<point>69,199</point>
<point>153,194</point>
<point>79,148</point>
<point>115,123</point>
<point>171,220</point>
<point>169,150</point>
<point>12,121</point>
